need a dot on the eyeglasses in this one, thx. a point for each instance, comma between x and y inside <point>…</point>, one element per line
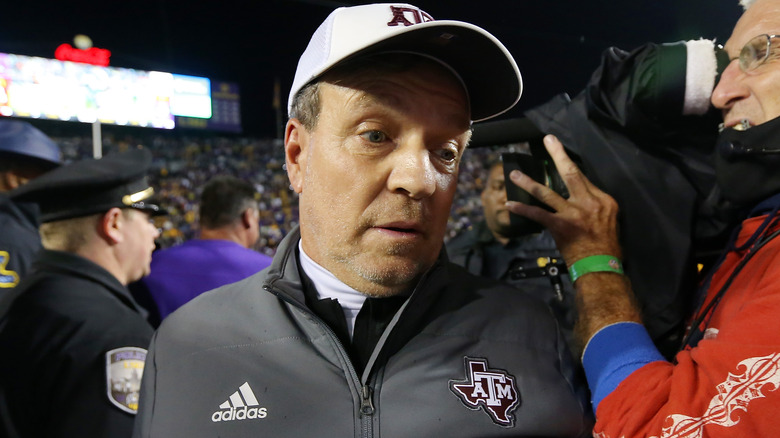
<point>756,52</point>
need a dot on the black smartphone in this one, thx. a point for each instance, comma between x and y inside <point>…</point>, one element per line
<point>541,170</point>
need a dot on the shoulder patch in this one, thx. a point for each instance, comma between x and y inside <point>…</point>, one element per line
<point>124,369</point>
<point>8,278</point>
<point>492,390</point>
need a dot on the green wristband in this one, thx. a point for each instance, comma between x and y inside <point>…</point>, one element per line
<point>596,263</point>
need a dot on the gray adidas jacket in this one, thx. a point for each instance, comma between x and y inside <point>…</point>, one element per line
<point>463,357</point>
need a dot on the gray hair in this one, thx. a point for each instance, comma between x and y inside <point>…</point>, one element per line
<point>746,3</point>
<point>306,105</point>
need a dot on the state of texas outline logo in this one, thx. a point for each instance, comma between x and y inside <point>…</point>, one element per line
<point>492,390</point>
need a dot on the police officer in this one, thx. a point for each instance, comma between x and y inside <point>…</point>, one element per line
<point>25,153</point>
<point>525,258</point>
<point>72,339</point>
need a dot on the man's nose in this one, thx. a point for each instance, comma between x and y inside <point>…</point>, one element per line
<point>502,195</point>
<point>730,88</point>
<point>413,172</point>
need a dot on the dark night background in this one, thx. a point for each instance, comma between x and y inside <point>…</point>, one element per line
<point>557,43</point>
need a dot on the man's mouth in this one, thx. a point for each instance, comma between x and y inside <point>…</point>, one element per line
<point>740,125</point>
<point>401,227</point>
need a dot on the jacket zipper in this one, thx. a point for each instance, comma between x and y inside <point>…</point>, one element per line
<point>366,392</point>
<point>367,406</point>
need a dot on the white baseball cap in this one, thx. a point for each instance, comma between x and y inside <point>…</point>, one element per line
<point>487,70</point>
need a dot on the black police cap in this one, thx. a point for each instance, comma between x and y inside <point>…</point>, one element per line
<point>92,186</point>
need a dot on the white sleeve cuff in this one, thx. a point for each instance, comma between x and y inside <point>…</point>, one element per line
<point>701,70</point>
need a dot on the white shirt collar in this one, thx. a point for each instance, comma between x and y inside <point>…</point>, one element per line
<point>328,286</point>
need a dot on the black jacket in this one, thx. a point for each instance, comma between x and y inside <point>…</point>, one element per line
<point>19,241</point>
<point>56,331</point>
<point>518,264</point>
<point>629,134</point>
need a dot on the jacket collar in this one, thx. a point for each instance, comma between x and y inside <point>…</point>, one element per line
<point>76,266</point>
<point>284,274</point>
<point>766,206</point>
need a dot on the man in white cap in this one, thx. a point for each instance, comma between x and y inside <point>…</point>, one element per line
<point>360,326</point>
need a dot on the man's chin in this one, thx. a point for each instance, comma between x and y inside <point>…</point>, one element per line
<point>389,275</point>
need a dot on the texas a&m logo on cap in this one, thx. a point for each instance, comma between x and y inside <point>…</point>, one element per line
<point>492,390</point>
<point>407,16</point>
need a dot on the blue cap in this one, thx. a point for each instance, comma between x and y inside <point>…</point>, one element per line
<point>25,140</point>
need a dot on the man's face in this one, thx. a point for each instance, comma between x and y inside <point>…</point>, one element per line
<point>378,173</point>
<point>494,200</point>
<point>138,243</point>
<point>753,95</point>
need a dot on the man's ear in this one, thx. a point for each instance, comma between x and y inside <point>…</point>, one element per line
<point>110,226</point>
<point>296,140</point>
<point>247,217</point>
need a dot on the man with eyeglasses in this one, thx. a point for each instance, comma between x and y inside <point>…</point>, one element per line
<point>725,380</point>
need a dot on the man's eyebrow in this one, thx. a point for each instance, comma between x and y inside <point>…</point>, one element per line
<point>368,100</point>
<point>391,102</point>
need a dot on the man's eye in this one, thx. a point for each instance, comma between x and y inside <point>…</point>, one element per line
<point>374,136</point>
<point>448,155</point>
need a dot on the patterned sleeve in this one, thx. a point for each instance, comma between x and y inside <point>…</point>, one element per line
<point>726,386</point>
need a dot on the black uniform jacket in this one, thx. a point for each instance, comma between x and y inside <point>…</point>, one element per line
<point>19,241</point>
<point>517,263</point>
<point>56,329</point>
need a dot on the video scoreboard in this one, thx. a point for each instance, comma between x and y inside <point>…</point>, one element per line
<point>45,88</point>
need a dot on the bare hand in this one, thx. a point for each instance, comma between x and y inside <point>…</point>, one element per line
<point>583,225</point>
